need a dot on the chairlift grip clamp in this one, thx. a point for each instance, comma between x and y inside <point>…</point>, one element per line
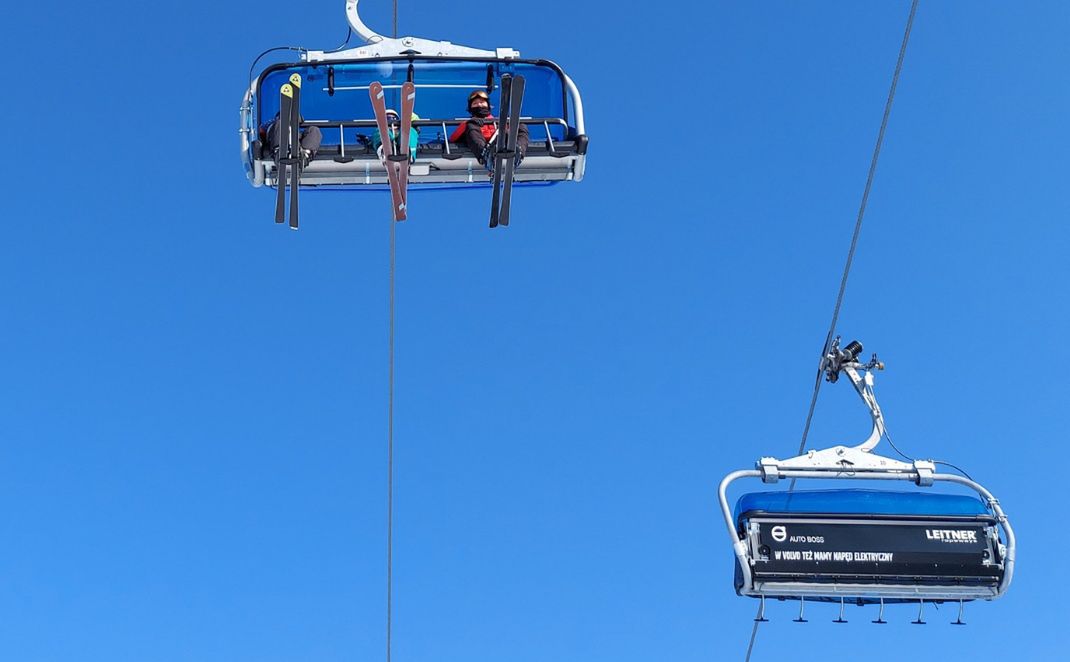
<point>924,470</point>
<point>770,469</point>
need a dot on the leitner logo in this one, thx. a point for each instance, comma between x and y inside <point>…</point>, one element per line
<point>951,535</point>
<point>780,533</point>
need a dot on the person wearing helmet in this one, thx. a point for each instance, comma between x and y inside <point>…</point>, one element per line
<point>476,133</point>
<point>393,127</point>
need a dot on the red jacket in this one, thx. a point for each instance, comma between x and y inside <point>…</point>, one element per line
<point>487,129</point>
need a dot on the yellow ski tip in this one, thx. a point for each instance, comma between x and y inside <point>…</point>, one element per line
<point>295,80</point>
<point>287,91</point>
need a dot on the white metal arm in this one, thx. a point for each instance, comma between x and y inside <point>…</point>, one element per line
<point>376,45</point>
<point>864,386</point>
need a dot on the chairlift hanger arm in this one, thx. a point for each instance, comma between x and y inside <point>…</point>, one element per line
<point>376,45</point>
<point>839,360</point>
<point>839,460</point>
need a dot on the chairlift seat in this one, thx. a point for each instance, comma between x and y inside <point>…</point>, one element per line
<point>868,545</point>
<point>334,98</point>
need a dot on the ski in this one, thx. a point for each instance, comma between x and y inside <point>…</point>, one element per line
<point>282,152</point>
<point>408,103</point>
<point>516,100</point>
<point>375,92</point>
<point>496,181</point>
<point>297,155</point>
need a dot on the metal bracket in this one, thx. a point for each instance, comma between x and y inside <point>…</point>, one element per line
<point>837,360</point>
<point>376,45</point>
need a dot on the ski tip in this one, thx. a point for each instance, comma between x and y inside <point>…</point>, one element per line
<point>295,80</point>
<point>287,90</point>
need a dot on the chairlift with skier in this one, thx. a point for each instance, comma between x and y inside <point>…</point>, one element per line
<point>334,95</point>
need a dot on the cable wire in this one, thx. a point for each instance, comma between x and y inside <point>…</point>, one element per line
<point>850,255</point>
<point>349,35</point>
<point>390,427</point>
<point>753,633</point>
<point>390,451</point>
<point>858,223</point>
<point>299,49</point>
<point>888,436</point>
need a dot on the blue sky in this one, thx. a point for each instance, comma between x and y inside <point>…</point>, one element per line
<point>193,402</point>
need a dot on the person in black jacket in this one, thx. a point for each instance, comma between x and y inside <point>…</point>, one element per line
<point>476,133</point>
<point>311,138</point>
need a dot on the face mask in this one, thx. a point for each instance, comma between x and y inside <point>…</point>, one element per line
<point>482,111</point>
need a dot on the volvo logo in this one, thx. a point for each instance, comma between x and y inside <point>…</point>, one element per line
<point>780,533</point>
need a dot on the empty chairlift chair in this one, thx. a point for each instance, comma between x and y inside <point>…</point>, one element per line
<point>865,545</point>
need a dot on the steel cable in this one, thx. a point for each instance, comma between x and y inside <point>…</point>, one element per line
<point>390,431</point>
<point>850,256</point>
<point>858,226</point>
<point>390,450</point>
<point>753,633</point>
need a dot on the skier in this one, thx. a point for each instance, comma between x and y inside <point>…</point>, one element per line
<point>393,121</point>
<point>311,137</point>
<point>476,133</point>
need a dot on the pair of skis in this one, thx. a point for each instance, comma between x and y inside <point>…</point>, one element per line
<point>288,139</point>
<point>396,162</point>
<point>505,153</point>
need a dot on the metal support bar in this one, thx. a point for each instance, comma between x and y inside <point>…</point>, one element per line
<point>760,618</point>
<point>921,610</point>
<point>840,618</point>
<point>880,615</point>
<point>959,621</point>
<point>864,387</point>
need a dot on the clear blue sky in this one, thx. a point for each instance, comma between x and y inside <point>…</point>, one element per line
<point>193,400</point>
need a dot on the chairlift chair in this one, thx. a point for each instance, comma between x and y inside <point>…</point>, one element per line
<point>862,545</point>
<point>334,97</point>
